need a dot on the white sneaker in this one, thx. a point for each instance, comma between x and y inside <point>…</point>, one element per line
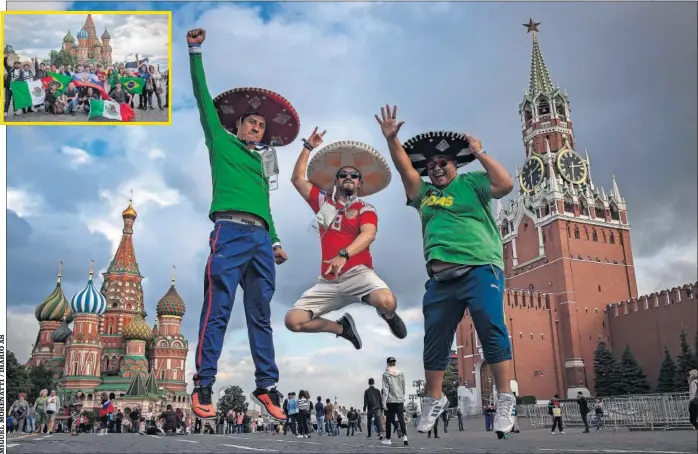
<point>431,410</point>
<point>387,442</point>
<point>504,419</point>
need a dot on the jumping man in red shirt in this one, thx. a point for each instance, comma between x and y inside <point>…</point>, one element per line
<point>336,177</point>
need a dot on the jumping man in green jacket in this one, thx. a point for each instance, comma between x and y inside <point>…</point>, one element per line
<point>240,127</point>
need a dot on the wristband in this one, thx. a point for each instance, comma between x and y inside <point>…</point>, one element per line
<point>275,246</point>
<point>307,145</point>
<point>194,48</point>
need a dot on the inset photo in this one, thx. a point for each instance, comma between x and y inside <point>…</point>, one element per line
<point>77,68</point>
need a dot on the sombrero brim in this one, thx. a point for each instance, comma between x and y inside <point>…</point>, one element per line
<point>423,146</point>
<point>282,121</point>
<point>374,169</point>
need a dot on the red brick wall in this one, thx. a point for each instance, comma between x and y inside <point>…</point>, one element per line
<point>648,324</point>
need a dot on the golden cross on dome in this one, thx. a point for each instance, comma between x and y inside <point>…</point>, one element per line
<point>174,269</point>
<point>92,268</point>
<point>130,199</point>
<point>531,26</point>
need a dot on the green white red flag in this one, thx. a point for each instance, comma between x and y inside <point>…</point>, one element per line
<point>110,110</point>
<point>27,93</point>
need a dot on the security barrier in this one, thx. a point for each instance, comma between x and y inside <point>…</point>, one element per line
<point>641,412</point>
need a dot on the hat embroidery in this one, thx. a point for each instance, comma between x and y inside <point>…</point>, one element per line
<point>227,109</point>
<point>282,117</point>
<point>255,102</point>
<point>442,146</point>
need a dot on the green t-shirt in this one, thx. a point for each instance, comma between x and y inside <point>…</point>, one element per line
<point>457,223</point>
<point>239,182</point>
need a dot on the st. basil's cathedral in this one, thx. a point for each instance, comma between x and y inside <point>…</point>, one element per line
<point>89,49</point>
<point>111,347</point>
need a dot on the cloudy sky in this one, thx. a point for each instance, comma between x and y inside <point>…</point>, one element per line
<point>36,35</point>
<point>447,66</point>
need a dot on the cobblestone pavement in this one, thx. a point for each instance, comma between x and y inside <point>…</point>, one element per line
<point>528,441</point>
<point>150,115</point>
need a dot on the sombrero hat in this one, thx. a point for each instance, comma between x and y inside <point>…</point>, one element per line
<point>423,146</point>
<point>283,124</point>
<point>374,169</point>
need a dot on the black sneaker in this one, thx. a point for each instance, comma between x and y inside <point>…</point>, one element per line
<point>349,332</point>
<point>396,325</point>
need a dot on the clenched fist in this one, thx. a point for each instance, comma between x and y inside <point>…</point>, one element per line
<point>196,36</point>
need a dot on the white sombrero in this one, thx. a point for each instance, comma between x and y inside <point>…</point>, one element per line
<point>423,146</point>
<point>374,169</point>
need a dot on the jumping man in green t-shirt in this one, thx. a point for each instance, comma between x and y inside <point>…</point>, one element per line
<point>463,251</point>
<point>240,127</point>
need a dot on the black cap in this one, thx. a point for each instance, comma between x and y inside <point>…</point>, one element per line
<point>391,360</point>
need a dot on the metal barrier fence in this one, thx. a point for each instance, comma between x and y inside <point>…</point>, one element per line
<point>651,411</point>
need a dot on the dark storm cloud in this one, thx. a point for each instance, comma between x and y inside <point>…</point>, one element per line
<point>33,253</point>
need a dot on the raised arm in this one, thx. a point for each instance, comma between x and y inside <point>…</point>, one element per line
<point>501,182</point>
<point>390,127</point>
<point>298,178</point>
<point>207,111</point>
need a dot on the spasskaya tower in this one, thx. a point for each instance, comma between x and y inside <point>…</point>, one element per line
<point>567,251</point>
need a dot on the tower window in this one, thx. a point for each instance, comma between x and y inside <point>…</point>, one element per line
<point>543,107</point>
<point>599,288</point>
<point>568,206</point>
<point>611,238</point>
<point>604,236</point>
<point>576,232</point>
<point>595,236</point>
<point>615,214</point>
<point>599,210</point>
<point>560,107</point>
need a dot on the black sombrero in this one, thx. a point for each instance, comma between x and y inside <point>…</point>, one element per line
<point>283,123</point>
<point>423,146</point>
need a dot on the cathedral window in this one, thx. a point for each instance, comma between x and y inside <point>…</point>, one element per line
<point>568,206</point>
<point>611,238</point>
<point>110,330</point>
<point>595,236</point>
<point>586,232</point>
<point>162,375</point>
<point>576,232</point>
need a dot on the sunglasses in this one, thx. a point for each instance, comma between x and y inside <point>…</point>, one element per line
<point>353,175</point>
<point>441,162</point>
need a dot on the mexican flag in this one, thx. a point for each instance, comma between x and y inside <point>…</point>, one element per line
<point>110,110</point>
<point>133,85</point>
<point>60,80</point>
<point>27,93</point>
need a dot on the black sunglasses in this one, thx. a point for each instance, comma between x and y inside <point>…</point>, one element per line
<point>353,175</point>
<point>441,162</point>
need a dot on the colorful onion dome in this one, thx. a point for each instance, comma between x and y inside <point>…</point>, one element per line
<point>138,329</point>
<point>62,333</point>
<point>106,34</point>
<point>129,212</point>
<point>54,306</point>
<point>97,43</point>
<point>88,300</point>
<point>68,38</point>
<point>82,34</point>
<point>171,303</point>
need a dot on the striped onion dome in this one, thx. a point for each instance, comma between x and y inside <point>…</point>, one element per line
<point>138,329</point>
<point>68,38</point>
<point>88,300</point>
<point>106,34</point>
<point>54,306</point>
<point>171,303</point>
<point>62,333</point>
<point>82,34</point>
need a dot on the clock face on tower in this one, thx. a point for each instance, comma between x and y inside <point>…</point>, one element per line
<point>532,173</point>
<point>571,166</point>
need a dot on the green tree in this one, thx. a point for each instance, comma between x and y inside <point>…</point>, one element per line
<point>40,378</point>
<point>450,385</point>
<point>667,374</point>
<point>633,379</point>
<point>53,57</point>
<point>232,399</point>
<point>17,378</point>
<point>684,363</point>
<point>606,372</point>
<point>63,57</point>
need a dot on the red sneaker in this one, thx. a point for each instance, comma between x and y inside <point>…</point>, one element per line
<point>201,404</point>
<point>271,401</point>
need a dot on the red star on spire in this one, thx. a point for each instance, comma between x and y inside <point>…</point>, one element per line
<point>531,26</point>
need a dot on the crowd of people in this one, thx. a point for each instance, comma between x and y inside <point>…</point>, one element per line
<point>73,99</point>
